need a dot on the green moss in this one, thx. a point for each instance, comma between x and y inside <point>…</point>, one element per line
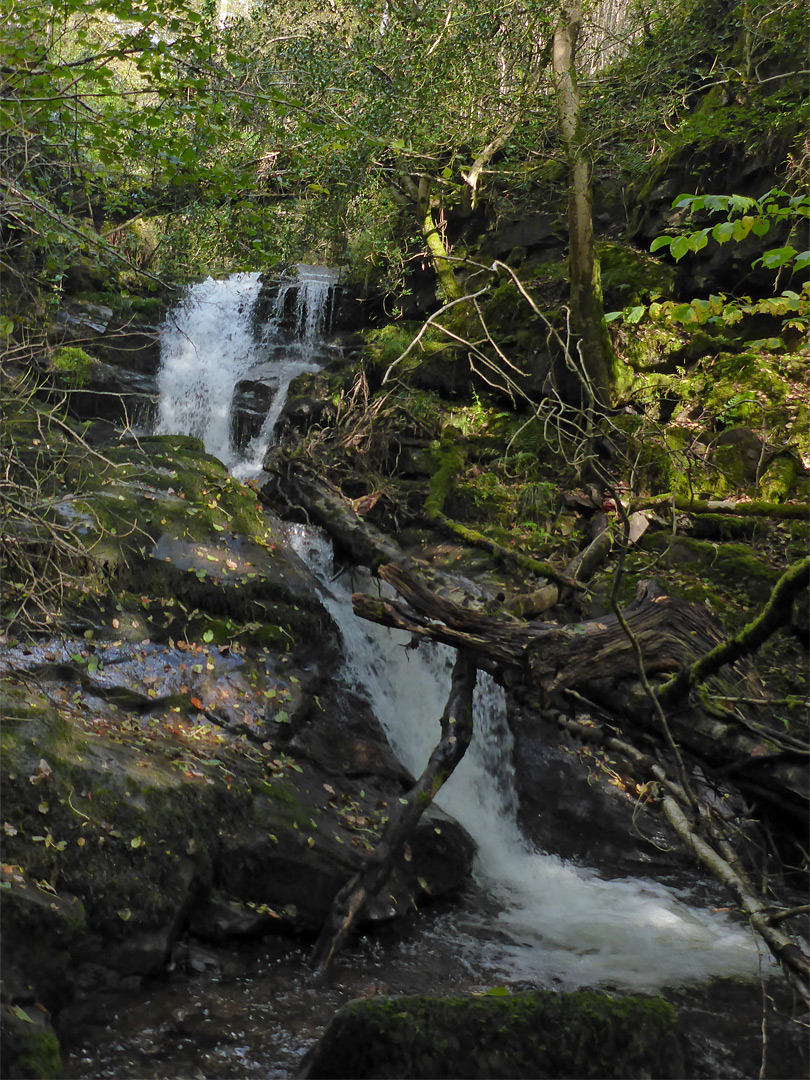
<point>630,276</point>
<point>779,481</point>
<point>40,1055</point>
<point>73,364</point>
<point>449,458</point>
<point>523,1035</point>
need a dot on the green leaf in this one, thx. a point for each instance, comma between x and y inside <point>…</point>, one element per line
<point>612,316</point>
<point>21,1014</point>
<point>659,242</point>
<point>802,260</point>
<point>636,314</point>
<point>679,247</point>
<point>208,635</point>
<point>776,257</point>
<point>497,991</point>
<point>684,313</point>
<point>724,231</point>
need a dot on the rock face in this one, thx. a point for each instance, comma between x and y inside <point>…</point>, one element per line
<point>533,1035</point>
<point>183,759</point>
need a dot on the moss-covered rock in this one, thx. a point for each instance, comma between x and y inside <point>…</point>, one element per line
<point>539,1034</point>
<point>630,276</point>
<point>31,1049</point>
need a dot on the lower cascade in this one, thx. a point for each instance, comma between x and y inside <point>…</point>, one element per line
<point>554,924</point>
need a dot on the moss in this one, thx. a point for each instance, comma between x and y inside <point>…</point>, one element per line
<point>779,481</point>
<point>523,1035</point>
<point>734,567</point>
<point>36,1052</point>
<point>449,458</point>
<point>630,276</point>
<point>73,364</point>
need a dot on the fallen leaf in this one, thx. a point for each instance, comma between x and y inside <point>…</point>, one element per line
<point>43,771</point>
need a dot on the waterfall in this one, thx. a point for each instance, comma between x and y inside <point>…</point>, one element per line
<point>554,924</point>
<point>211,346</point>
<point>557,925</point>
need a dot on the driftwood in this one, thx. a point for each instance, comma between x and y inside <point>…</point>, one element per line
<point>456,734</point>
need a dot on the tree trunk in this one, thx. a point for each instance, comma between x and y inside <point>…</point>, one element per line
<point>598,357</point>
<point>444,271</point>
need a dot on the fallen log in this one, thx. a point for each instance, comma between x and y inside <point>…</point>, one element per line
<point>790,510</point>
<point>543,660</point>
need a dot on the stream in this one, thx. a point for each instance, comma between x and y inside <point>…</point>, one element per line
<point>528,918</point>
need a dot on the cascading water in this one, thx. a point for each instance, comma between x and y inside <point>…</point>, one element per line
<point>210,345</point>
<point>531,918</point>
<point>558,924</point>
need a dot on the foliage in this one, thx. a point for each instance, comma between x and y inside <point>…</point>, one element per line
<point>744,216</point>
<point>45,563</point>
<point>109,111</point>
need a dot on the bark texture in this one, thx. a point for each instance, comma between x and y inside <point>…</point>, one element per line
<point>598,359</point>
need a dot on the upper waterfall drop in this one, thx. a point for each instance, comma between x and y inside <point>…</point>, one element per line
<point>221,343</point>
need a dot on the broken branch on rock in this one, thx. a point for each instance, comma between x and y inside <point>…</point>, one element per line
<point>456,734</point>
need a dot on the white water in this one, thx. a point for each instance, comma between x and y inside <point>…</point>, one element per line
<point>558,924</point>
<point>208,345</point>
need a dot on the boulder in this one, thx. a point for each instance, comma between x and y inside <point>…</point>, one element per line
<point>541,1034</point>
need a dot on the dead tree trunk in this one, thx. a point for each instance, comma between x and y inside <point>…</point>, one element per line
<point>456,733</point>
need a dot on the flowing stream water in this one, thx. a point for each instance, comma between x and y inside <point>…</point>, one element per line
<point>212,343</point>
<point>529,917</point>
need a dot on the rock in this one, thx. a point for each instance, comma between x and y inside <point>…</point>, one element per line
<point>31,1049</point>
<point>535,1035</point>
<point>739,454</point>
<point>569,808</point>
<point>533,232</point>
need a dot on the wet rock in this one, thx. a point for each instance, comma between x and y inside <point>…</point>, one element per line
<point>572,805</point>
<point>220,918</point>
<point>540,1034</point>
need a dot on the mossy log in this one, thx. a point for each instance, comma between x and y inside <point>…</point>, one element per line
<point>790,510</point>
